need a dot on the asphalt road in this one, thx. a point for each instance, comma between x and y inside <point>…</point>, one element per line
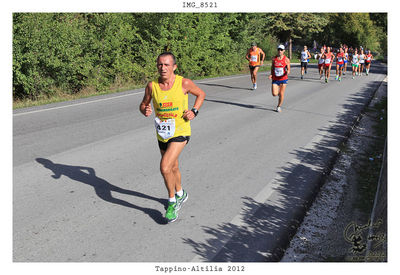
<point>87,187</point>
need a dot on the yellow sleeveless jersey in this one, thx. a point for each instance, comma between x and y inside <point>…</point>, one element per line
<point>169,106</point>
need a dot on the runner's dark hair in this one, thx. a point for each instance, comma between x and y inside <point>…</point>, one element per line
<point>166,54</point>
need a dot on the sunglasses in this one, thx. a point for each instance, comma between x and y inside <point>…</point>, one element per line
<point>280,50</point>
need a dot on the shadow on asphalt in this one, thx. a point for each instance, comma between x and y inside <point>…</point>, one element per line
<point>267,228</point>
<point>103,189</point>
<point>225,86</point>
<point>243,105</point>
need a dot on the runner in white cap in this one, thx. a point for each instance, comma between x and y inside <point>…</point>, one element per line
<point>280,70</point>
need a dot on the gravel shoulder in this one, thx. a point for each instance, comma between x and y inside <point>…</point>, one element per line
<point>335,229</point>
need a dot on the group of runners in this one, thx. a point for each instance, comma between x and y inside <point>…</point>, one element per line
<point>280,67</point>
<point>169,97</point>
<point>280,70</point>
<point>356,57</point>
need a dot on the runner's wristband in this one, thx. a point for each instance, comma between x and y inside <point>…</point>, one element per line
<point>195,111</point>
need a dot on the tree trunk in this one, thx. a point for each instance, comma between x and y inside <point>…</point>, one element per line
<point>290,48</point>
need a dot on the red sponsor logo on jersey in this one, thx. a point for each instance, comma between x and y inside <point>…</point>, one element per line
<point>166,104</point>
<point>167,115</point>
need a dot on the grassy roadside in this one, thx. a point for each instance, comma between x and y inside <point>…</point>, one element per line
<point>369,165</point>
<point>64,96</point>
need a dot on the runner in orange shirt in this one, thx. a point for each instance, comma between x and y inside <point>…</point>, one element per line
<point>255,61</point>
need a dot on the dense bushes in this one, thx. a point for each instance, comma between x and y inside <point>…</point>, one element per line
<point>68,52</point>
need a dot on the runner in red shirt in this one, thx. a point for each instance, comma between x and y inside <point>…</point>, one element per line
<point>340,64</point>
<point>328,56</point>
<point>368,60</point>
<point>280,70</point>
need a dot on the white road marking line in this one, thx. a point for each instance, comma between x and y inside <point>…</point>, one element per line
<point>239,221</point>
<point>76,104</point>
<point>110,98</point>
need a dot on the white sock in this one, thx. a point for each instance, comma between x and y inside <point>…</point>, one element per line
<point>172,199</point>
<point>180,193</point>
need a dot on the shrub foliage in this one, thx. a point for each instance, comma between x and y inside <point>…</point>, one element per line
<point>71,51</point>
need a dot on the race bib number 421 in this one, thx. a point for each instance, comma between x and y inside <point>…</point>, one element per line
<point>165,129</point>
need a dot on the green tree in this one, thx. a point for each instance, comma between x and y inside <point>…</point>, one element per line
<point>48,51</point>
<point>289,26</point>
<point>70,52</point>
<point>354,29</point>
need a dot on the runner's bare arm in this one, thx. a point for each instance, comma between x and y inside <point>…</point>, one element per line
<point>248,55</point>
<point>272,69</point>
<point>145,106</point>
<point>189,87</point>
<point>263,56</point>
<point>288,66</point>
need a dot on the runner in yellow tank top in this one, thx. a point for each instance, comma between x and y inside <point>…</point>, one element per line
<point>169,106</point>
<point>172,123</point>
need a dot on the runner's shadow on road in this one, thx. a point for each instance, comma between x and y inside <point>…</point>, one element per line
<point>225,86</point>
<point>249,106</point>
<point>87,175</point>
<point>314,79</point>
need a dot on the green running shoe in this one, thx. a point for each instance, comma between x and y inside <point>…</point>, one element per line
<point>181,200</point>
<point>172,213</point>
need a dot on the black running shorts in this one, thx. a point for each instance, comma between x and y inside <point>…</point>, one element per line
<point>253,67</point>
<point>163,145</point>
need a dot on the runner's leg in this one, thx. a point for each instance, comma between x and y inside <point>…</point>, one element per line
<point>255,74</point>
<point>275,89</point>
<point>169,167</point>
<point>252,75</point>
<point>279,90</point>
<point>282,89</point>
